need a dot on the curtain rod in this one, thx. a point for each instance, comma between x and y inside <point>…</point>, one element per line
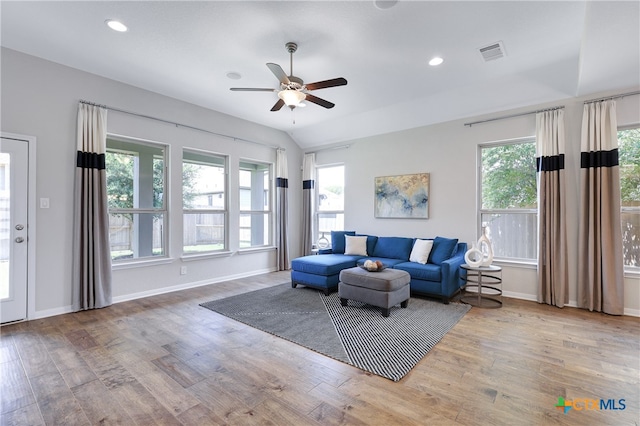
<point>613,97</point>
<point>513,115</point>
<point>328,148</point>
<point>179,124</point>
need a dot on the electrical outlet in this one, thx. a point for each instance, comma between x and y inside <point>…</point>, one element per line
<point>183,270</point>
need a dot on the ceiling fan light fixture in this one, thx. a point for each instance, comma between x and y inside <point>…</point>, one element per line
<point>292,89</point>
<point>291,97</point>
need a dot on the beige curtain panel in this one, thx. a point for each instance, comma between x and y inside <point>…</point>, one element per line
<point>91,278</point>
<point>282,210</point>
<point>553,271</point>
<point>308,198</point>
<point>600,260</point>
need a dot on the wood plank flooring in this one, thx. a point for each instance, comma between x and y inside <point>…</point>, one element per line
<point>165,360</point>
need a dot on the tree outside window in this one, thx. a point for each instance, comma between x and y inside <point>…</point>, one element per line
<point>508,198</point>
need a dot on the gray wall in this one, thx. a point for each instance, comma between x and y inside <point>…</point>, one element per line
<point>448,152</point>
<point>40,98</point>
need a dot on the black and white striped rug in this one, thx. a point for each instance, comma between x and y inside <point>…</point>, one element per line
<point>357,334</point>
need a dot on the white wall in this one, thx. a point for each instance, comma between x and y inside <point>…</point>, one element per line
<point>448,152</point>
<point>40,98</point>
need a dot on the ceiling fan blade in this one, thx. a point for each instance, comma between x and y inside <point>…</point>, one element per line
<point>327,83</point>
<point>251,89</point>
<point>278,105</point>
<point>316,100</point>
<point>279,73</point>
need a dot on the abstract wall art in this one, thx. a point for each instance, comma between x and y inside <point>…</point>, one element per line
<point>403,196</point>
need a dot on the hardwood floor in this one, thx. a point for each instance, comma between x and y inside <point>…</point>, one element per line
<point>166,360</point>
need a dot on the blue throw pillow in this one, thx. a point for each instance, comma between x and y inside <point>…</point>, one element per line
<point>393,247</point>
<point>442,249</point>
<point>337,240</point>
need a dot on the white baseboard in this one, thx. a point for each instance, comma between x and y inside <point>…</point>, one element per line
<point>571,304</point>
<point>133,296</point>
<point>522,296</point>
<point>632,312</point>
<point>155,292</point>
<point>53,312</point>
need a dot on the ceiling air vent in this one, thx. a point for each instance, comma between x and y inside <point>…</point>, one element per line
<point>492,51</point>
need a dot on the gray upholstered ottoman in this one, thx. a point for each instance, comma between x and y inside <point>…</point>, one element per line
<point>383,289</point>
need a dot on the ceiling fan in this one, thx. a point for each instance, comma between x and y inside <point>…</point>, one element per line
<point>292,89</point>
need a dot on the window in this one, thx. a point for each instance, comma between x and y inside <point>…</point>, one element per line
<point>136,191</point>
<point>255,204</point>
<point>330,201</point>
<point>508,198</point>
<point>204,204</point>
<point>629,159</point>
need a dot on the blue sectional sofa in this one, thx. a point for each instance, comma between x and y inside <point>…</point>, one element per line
<point>437,276</point>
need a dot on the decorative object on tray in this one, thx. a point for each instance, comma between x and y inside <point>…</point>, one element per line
<point>473,256</point>
<point>372,266</point>
<point>404,196</point>
<point>484,245</point>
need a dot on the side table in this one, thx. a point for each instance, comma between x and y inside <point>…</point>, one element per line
<point>485,285</point>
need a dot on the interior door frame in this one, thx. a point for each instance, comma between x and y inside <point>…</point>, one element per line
<point>31,220</point>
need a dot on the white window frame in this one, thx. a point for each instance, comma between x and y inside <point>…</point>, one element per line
<point>268,212</point>
<point>224,211</point>
<point>317,232</point>
<point>164,210</point>
<point>628,269</point>
<point>531,262</point>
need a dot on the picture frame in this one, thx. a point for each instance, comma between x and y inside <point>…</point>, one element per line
<point>402,196</point>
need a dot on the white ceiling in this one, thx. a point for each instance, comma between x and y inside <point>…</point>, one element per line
<point>554,50</point>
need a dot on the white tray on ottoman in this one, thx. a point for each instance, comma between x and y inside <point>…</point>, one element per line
<point>383,289</point>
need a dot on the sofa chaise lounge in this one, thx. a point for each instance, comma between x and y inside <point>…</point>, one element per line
<point>433,264</point>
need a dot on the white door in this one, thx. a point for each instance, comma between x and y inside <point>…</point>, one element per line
<point>14,172</point>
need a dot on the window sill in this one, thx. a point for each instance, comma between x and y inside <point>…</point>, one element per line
<point>632,273</point>
<point>140,263</point>
<point>256,249</point>
<point>209,255</point>
<point>516,263</point>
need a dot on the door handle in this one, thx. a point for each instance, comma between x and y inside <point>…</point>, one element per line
<point>19,240</point>
<point>19,227</point>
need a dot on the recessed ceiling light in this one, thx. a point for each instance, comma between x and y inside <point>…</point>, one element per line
<point>436,61</point>
<point>385,4</point>
<point>234,75</point>
<point>116,25</point>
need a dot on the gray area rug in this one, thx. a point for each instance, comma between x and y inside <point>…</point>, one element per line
<point>357,334</point>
